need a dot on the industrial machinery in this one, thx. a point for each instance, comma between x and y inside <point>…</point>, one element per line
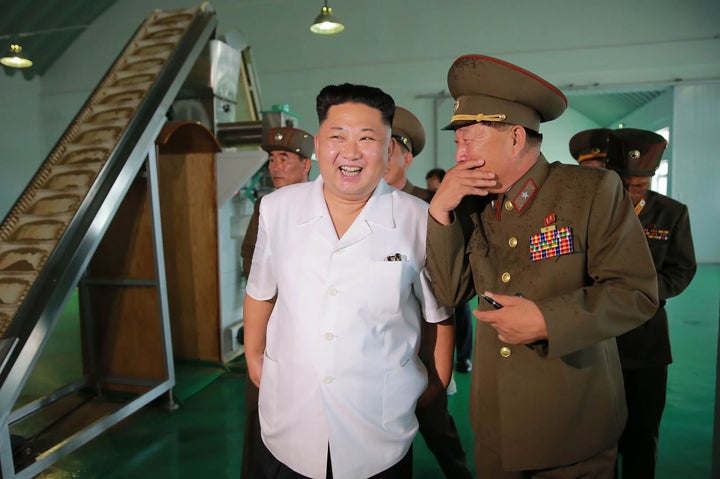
<point>105,218</point>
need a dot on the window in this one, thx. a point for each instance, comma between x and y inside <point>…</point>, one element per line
<point>659,182</point>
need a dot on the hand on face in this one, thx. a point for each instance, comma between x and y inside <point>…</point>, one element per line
<point>462,180</point>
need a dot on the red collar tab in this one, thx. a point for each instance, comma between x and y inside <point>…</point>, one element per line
<point>525,196</point>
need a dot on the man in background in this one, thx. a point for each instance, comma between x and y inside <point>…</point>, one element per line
<point>436,423</point>
<point>589,147</point>
<point>645,351</point>
<point>289,161</point>
<point>433,178</point>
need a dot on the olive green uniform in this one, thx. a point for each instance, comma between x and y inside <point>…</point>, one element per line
<point>561,401</point>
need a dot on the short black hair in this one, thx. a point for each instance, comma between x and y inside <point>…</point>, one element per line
<point>437,172</point>
<point>349,93</point>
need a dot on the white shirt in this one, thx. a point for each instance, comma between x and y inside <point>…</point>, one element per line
<point>341,365</point>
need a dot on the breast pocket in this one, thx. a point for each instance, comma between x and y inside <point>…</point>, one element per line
<point>386,286</point>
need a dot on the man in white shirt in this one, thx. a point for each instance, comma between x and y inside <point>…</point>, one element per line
<point>335,299</point>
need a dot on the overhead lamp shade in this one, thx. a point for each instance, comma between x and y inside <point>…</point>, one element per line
<point>326,23</point>
<point>15,58</point>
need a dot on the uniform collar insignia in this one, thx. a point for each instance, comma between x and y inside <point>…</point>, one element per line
<point>525,196</point>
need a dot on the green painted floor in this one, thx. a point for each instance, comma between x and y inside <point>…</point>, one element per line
<point>203,437</point>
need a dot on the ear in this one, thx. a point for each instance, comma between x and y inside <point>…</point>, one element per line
<point>391,148</point>
<point>408,158</point>
<point>519,137</point>
<point>307,166</point>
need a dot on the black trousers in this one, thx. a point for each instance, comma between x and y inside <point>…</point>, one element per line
<point>463,333</point>
<point>268,467</point>
<point>252,429</point>
<point>437,428</point>
<point>645,392</point>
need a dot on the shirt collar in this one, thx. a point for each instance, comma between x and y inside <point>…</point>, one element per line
<point>378,209</point>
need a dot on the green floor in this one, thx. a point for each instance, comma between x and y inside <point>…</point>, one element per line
<point>203,438</point>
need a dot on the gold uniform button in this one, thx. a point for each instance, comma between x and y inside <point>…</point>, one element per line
<point>508,205</point>
<point>512,242</point>
<point>505,352</point>
<point>505,277</point>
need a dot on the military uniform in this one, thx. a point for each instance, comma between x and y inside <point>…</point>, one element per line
<point>436,424</point>
<point>421,193</point>
<point>564,237</point>
<point>645,351</point>
<point>590,147</point>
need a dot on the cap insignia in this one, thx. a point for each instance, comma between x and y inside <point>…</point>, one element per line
<point>456,106</point>
<point>278,137</point>
<point>633,154</point>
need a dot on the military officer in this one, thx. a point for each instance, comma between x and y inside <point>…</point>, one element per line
<point>589,147</point>
<point>409,134</point>
<point>289,161</point>
<point>645,351</point>
<point>564,277</point>
<point>436,424</point>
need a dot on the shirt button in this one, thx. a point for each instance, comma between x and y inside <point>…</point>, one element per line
<point>329,336</point>
<point>327,379</point>
<point>505,352</point>
<point>505,277</point>
<point>332,292</point>
<point>508,205</point>
<point>512,242</point>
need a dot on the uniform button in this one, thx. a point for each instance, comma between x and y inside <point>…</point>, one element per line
<point>505,277</point>
<point>512,242</point>
<point>508,205</point>
<point>505,352</point>
<point>332,292</point>
<point>329,336</point>
<point>327,379</point>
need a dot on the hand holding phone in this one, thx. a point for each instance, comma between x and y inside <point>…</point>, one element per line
<point>494,303</point>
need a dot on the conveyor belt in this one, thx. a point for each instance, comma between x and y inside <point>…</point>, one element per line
<point>52,231</point>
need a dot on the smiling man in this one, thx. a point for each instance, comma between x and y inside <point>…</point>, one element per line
<point>334,304</point>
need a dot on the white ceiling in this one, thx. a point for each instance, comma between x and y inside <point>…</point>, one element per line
<point>608,57</point>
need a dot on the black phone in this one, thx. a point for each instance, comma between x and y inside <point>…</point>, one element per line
<point>494,303</point>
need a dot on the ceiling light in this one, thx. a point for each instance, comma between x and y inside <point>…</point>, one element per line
<point>15,58</point>
<point>326,23</point>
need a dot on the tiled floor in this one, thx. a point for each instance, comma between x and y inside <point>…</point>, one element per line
<point>203,438</point>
